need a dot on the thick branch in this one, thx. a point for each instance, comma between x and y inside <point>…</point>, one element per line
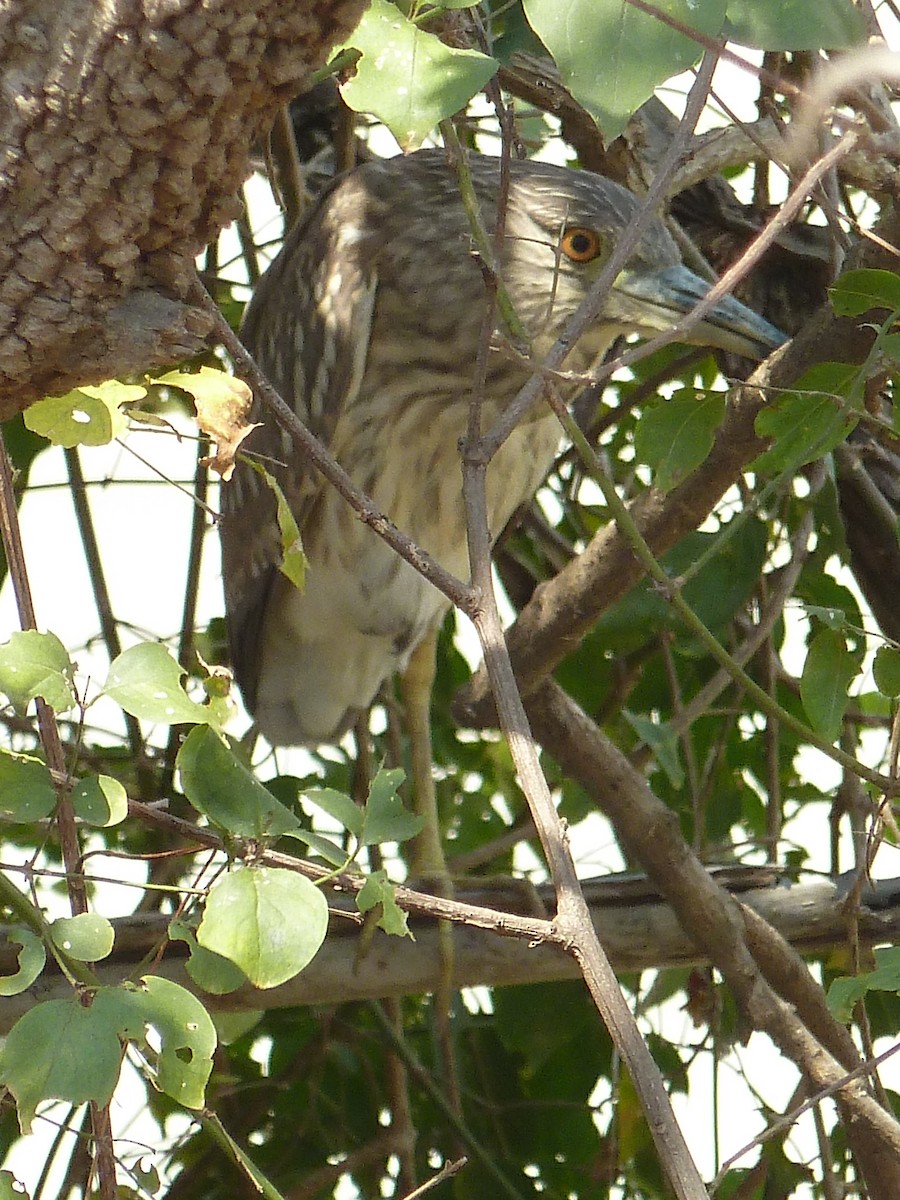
<point>649,832</point>
<point>564,608</point>
<point>126,130</point>
<point>639,932</point>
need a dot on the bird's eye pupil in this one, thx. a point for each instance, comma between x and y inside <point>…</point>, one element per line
<point>580,245</point>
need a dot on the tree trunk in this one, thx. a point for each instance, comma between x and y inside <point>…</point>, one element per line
<point>127,127</point>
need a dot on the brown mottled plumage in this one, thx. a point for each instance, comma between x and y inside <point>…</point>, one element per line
<point>368,324</point>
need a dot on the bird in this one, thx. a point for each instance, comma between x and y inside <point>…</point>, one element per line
<point>367,323</point>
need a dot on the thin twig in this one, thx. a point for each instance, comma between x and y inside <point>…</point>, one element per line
<point>590,306</point>
<point>573,919</point>
<point>316,453</point>
<point>447,1171</point>
<point>104,1153</point>
<point>671,590</point>
<point>50,739</point>
<point>108,626</point>
<point>189,610</point>
<point>792,1116</point>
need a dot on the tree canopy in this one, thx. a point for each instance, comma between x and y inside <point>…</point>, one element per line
<point>667,795</point>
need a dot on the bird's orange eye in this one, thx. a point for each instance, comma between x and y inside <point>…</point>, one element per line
<point>580,245</point>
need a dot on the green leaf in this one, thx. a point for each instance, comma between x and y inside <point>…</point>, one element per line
<point>26,788</point>
<point>293,562</point>
<point>612,57</point>
<point>340,806</point>
<point>827,674</point>
<point>675,437</point>
<point>31,958</point>
<point>187,1038</point>
<point>10,1188</point>
<point>855,292</point>
<point>889,344</point>
<point>408,78</point>
<point>722,584</point>
<point>146,681</point>
<point>233,1025</point>
<point>386,818</point>
<point>833,618</point>
<point>36,664</point>
<point>794,24</point>
<point>268,921</point>
<point>221,787</point>
<point>87,936</point>
<point>326,849</point>
<point>211,972</point>
<point>846,990</point>
<point>86,416</point>
<point>886,670</point>
<point>60,1050</point>
<point>662,742</point>
<point>146,1176</point>
<point>810,421</point>
<point>100,800</point>
<point>886,975</point>
<point>378,890</point>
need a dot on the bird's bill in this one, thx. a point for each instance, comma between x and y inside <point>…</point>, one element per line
<point>655,300</point>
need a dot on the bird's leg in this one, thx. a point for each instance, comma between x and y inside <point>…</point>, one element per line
<point>428,861</point>
<point>416,683</point>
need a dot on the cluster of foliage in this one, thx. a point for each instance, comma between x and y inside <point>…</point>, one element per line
<point>747,645</point>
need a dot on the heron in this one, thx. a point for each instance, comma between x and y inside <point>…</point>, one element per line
<point>368,324</point>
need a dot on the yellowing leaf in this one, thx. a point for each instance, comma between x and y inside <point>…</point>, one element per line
<point>223,404</point>
<point>293,558</point>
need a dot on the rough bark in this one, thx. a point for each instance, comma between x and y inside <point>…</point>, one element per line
<point>639,932</point>
<point>127,127</point>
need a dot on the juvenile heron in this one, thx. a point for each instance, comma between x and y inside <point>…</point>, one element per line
<point>368,323</point>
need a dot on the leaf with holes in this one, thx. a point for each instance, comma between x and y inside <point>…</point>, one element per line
<point>187,1038</point>
<point>146,681</point>
<point>86,416</point>
<point>36,664</point>
<point>31,958</point>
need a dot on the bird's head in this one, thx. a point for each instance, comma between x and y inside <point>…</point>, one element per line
<point>561,227</point>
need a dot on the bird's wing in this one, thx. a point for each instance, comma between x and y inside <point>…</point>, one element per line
<point>307,327</point>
